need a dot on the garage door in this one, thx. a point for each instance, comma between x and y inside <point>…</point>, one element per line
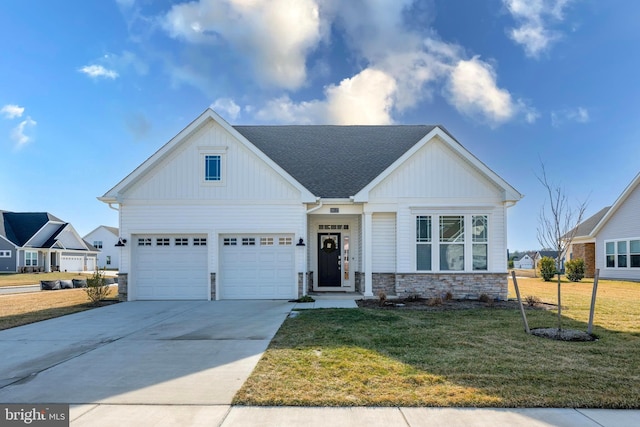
<point>257,267</point>
<point>168,267</point>
<point>71,263</point>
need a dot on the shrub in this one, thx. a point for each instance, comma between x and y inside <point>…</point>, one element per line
<point>575,269</point>
<point>448,296</point>
<point>382,298</point>
<point>532,300</point>
<point>485,298</point>
<point>97,288</point>
<point>434,301</point>
<point>547,268</point>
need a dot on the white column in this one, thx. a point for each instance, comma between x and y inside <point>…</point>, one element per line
<point>367,254</point>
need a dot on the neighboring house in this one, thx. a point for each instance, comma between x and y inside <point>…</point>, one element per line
<point>525,262</point>
<point>615,237</point>
<point>38,241</point>
<point>104,239</point>
<point>583,245</point>
<point>274,212</point>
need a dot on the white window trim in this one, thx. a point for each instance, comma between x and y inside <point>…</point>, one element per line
<point>5,253</point>
<point>213,151</point>
<point>25,258</point>
<point>435,243</point>
<point>615,253</point>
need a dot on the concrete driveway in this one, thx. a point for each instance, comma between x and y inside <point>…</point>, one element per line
<point>160,352</point>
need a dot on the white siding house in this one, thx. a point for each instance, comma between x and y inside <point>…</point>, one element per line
<point>104,239</point>
<point>241,212</point>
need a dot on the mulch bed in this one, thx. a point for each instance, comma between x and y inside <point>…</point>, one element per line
<point>444,305</point>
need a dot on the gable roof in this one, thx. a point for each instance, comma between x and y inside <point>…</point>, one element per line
<point>19,227</point>
<point>112,230</point>
<point>585,228</point>
<point>334,161</point>
<point>619,202</point>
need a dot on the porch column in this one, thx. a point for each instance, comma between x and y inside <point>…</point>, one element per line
<point>367,254</point>
<point>47,261</point>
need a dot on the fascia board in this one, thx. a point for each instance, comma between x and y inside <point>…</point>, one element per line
<point>619,202</point>
<point>510,194</point>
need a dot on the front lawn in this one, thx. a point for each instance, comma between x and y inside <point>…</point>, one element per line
<point>21,279</point>
<point>479,357</point>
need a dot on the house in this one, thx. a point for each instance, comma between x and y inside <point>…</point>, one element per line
<point>104,238</point>
<point>275,212</point>
<point>614,240</point>
<point>525,262</point>
<point>39,241</point>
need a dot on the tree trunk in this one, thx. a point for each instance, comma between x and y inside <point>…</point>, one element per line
<point>559,306</point>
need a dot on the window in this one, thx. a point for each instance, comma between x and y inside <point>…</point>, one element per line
<point>634,250</point>
<point>97,244</point>
<point>622,254</point>
<point>266,241</point>
<point>144,241</point>
<point>212,168</point>
<point>480,242</point>
<point>31,259</point>
<point>108,259</point>
<point>285,241</point>
<point>199,241</point>
<point>610,254</point>
<point>451,243</point>
<point>162,241</point>
<point>181,241</point>
<point>248,241</point>
<point>423,240</point>
<point>5,254</point>
<point>230,241</point>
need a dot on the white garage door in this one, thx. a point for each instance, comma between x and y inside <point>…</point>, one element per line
<point>71,263</point>
<point>170,267</point>
<point>257,267</point>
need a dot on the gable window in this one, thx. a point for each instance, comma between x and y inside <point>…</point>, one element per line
<point>212,168</point>
<point>31,259</point>
<point>97,244</point>
<point>108,259</point>
<point>423,243</point>
<point>5,254</point>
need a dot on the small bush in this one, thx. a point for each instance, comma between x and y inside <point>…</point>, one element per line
<point>306,298</point>
<point>434,301</point>
<point>547,268</point>
<point>575,269</point>
<point>97,288</point>
<point>532,300</point>
<point>382,298</point>
<point>485,298</point>
<point>448,296</point>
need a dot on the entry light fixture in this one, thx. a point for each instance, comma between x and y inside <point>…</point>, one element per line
<point>121,242</point>
<point>300,242</point>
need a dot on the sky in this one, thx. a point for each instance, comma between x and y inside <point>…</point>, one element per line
<point>91,89</point>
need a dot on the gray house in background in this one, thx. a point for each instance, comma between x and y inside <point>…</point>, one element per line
<point>41,242</point>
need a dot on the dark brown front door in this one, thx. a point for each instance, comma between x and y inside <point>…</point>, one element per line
<point>329,259</point>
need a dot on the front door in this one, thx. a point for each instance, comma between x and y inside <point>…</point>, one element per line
<point>329,259</point>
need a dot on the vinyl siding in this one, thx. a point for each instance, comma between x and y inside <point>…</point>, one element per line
<point>384,243</point>
<point>8,263</point>
<point>108,240</point>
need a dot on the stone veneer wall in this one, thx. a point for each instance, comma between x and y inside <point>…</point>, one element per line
<point>461,285</point>
<point>383,282</point>
<point>309,283</point>
<point>123,286</point>
<point>586,251</point>
<point>213,286</point>
<point>358,279</point>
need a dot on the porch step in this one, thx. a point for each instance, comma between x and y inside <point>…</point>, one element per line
<point>336,295</point>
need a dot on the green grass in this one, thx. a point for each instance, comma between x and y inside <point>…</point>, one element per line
<point>480,357</point>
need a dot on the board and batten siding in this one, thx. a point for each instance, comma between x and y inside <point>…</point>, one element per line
<point>211,220</point>
<point>384,243</point>
<point>180,176</point>
<point>624,224</point>
<point>436,171</point>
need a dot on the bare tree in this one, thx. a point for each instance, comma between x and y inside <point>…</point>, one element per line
<point>558,224</point>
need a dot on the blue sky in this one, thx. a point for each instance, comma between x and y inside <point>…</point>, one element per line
<point>90,89</point>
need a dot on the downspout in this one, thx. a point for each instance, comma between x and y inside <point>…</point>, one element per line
<point>306,255</point>
<point>111,206</point>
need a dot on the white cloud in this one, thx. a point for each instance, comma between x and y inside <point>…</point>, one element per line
<point>97,71</point>
<point>275,34</point>
<point>577,115</point>
<point>227,108</point>
<point>19,132</point>
<point>535,17</point>
<point>365,99</point>
<point>11,111</point>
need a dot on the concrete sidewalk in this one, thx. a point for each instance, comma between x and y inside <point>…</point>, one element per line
<point>242,416</point>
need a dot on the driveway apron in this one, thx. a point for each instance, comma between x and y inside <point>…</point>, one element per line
<point>153,352</point>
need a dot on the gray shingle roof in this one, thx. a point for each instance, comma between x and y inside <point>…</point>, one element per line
<point>19,227</point>
<point>334,161</point>
<point>586,227</point>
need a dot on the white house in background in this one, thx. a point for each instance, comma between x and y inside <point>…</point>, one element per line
<point>525,262</point>
<point>275,212</point>
<point>104,238</point>
<point>41,242</point>
<point>615,238</point>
